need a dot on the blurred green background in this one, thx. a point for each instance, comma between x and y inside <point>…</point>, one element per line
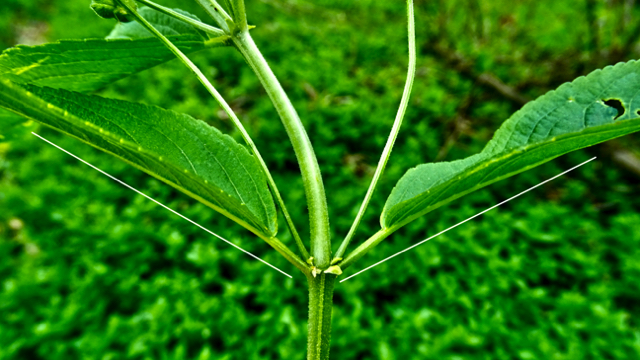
<point>89,270</point>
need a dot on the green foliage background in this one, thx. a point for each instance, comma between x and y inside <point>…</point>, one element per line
<point>88,270</point>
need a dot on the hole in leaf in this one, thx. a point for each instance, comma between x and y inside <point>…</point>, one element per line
<point>616,104</point>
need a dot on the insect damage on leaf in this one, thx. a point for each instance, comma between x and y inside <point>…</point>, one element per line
<point>591,109</point>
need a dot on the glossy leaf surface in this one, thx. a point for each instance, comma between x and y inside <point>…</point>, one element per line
<point>184,152</point>
<point>576,115</point>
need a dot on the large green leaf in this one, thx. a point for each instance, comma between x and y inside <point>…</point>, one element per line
<point>14,126</point>
<point>571,117</point>
<point>176,148</point>
<point>87,65</point>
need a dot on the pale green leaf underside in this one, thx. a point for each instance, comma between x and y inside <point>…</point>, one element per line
<point>571,117</point>
<point>176,148</point>
<point>166,24</point>
<point>87,65</point>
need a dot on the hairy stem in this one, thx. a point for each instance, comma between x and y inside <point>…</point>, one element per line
<point>237,123</point>
<point>312,179</point>
<point>320,308</point>
<point>404,102</point>
<point>241,14</point>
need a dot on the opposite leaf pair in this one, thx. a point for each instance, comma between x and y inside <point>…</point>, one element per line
<point>41,83</point>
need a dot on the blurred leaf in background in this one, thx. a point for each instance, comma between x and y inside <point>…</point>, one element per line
<point>90,270</point>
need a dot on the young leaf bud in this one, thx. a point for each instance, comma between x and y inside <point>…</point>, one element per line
<point>335,270</point>
<point>109,9</point>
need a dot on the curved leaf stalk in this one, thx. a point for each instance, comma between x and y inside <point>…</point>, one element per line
<point>287,253</point>
<point>392,137</point>
<point>364,248</point>
<point>217,13</point>
<point>320,305</point>
<point>236,121</point>
<point>312,179</point>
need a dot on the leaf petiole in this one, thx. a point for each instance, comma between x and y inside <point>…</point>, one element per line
<point>394,130</point>
<point>217,13</point>
<point>364,248</point>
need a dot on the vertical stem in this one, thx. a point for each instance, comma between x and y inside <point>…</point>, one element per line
<point>320,306</point>
<point>241,14</point>
<point>311,177</point>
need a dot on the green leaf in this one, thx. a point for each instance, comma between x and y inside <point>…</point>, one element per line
<point>166,24</point>
<point>183,152</point>
<point>571,117</point>
<point>87,65</point>
<point>14,126</point>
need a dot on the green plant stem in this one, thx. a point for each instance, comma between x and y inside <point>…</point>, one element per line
<point>236,121</point>
<point>320,308</point>
<point>404,102</point>
<point>217,13</point>
<point>365,247</point>
<point>193,22</point>
<point>312,179</point>
<point>240,14</point>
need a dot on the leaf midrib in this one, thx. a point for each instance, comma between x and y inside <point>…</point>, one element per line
<point>478,166</point>
<point>147,155</point>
